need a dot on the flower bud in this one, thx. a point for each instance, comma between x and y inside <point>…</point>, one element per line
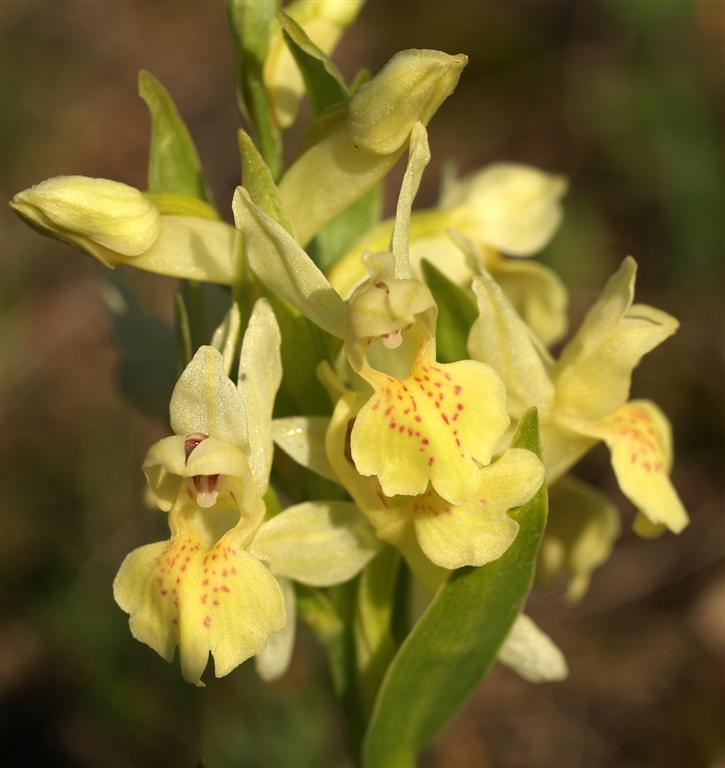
<point>410,88</point>
<point>107,219</point>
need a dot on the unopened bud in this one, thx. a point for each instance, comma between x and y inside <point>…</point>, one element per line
<point>409,89</point>
<point>107,219</point>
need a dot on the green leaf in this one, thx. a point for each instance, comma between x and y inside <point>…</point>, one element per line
<point>337,236</point>
<point>257,180</point>
<point>457,638</point>
<point>250,22</point>
<point>374,641</point>
<point>456,313</point>
<point>173,162</point>
<point>324,84</point>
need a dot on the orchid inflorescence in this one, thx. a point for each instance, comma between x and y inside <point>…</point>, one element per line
<point>417,462</point>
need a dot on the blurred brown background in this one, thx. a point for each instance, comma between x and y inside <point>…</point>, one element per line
<point>625,98</point>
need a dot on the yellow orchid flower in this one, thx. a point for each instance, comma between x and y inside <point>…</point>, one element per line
<point>504,208</point>
<point>473,532</point>
<point>324,23</point>
<point>433,535</point>
<point>118,224</point>
<point>202,589</point>
<point>441,421</point>
<point>582,397</point>
<point>220,584</point>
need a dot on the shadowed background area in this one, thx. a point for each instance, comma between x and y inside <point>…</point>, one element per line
<point>625,98</point>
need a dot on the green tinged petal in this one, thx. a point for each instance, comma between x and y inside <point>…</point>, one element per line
<point>593,376</point>
<point>205,401</point>
<point>282,265</point>
<point>500,338</point>
<point>272,662</point>
<point>260,374</point>
<point>532,654</point>
<point>303,439</point>
<point>510,207</point>
<point>318,543</point>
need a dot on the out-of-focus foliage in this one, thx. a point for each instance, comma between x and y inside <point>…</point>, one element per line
<point>621,97</point>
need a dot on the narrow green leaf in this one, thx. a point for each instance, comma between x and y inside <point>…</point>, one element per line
<point>324,84</point>
<point>374,641</point>
<point>173,161</point>
<point>337,236</point>
<point>456,313</point>
<point>257,180</point>
<point>457,638</point>
<point>250,22</point>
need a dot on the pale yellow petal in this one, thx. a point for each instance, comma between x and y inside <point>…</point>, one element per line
<point>467,534</point>
<point>222,601</point>
<point>538,295</point>
<point>319,543</point>
<point>478,530</point>
<point>282,265</point>
<point>408,89</point>
<point>194,248</point>
<point>386,515</point>
<point>164,467</point>
<point>303,439</point>
<point>500,338</point>
<point>511,207</point>
<point>532,654</point>
<point>639,438</point>
<point>593,376</point>
<point>437,425</point>
<point>260,374</point>
<point>205,400</point>
<point>272,662</point>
